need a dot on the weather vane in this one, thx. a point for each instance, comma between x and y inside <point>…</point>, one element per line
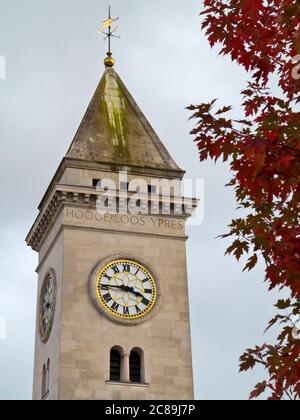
<point>109,33</point>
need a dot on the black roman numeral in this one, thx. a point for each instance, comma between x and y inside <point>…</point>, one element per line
<point>125,310</point>
<point>115,306</point>
<point>126,267</point>
<point>116,270</point>
<point>107,298</point>
<point>145,280</point>
<point>145,301</point>
<point>148,291</point>
<point>104,287</point>
<point>137,309</point>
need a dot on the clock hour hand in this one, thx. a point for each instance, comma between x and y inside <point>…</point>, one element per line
<point>138,294</point>
<point>131,290</point>
<point>127,289</point>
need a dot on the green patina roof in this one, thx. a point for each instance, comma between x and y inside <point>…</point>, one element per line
<point>115,131</point>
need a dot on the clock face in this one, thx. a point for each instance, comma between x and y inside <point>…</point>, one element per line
<point>47,305</point>
<point>126,290</point>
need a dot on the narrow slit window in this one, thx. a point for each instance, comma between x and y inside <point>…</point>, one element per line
<point>152,189</point>
<point>46,380</point>
<point>97,183</point>
<point>124,186</point>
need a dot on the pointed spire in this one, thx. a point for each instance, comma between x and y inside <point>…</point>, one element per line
<point>114,131</point>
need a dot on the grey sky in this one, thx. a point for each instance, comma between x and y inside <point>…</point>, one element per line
<point>54,61</point>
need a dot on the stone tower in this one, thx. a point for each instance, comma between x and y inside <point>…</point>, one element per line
<point>112,310</point>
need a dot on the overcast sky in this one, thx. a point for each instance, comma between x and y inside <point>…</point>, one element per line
<point>54,61</point>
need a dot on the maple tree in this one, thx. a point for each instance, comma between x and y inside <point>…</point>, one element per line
<point>263,150</point>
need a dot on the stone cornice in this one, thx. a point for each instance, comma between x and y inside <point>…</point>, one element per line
<point>87,198</point>
<point>109,168</point>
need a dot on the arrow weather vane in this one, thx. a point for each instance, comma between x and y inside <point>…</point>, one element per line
<point>109,33</point>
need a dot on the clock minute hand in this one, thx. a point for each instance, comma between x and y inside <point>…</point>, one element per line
<point>127,289</point>
<point>116,287</point>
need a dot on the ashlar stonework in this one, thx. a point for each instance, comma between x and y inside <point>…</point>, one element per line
<point>71,237</point>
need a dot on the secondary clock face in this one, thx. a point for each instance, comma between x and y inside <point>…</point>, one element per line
<point>126,290</point>
<point>47,305</point>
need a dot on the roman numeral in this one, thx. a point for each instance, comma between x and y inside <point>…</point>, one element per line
<point>126,267</point>
<point>107,277</point>
<point>137,309</point>
<point>145,280</point>
<point>107,298</point>
<point>148,291</point>
<point>145,301</point>
<point>116,270</point>
<point>125,310</point>
<point>115,306</point>
<point>104,287</point>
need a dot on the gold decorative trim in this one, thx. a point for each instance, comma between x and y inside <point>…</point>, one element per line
<point>115,295</point>
<point>92,288</point>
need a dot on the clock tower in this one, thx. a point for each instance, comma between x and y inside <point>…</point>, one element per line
<point>112,309</point>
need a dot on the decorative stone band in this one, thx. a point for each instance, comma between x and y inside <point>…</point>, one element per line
<point>88,198</point>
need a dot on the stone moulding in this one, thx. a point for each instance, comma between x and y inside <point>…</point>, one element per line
<point>87,198</point>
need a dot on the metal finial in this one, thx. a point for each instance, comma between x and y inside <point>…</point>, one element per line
<point>109,33</point>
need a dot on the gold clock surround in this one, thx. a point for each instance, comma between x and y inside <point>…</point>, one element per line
<point>105,309</point>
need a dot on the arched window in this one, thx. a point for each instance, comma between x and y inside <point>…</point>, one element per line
<point>115,365</point>
<point>46,380</point>
<point>135,366</point>
<point>48,377</point>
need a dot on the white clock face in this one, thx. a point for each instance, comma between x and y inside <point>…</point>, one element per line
<point>126,290</point>
<point>47,305</point>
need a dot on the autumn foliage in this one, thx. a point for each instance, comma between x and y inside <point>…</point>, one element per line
<point>263,150</point>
